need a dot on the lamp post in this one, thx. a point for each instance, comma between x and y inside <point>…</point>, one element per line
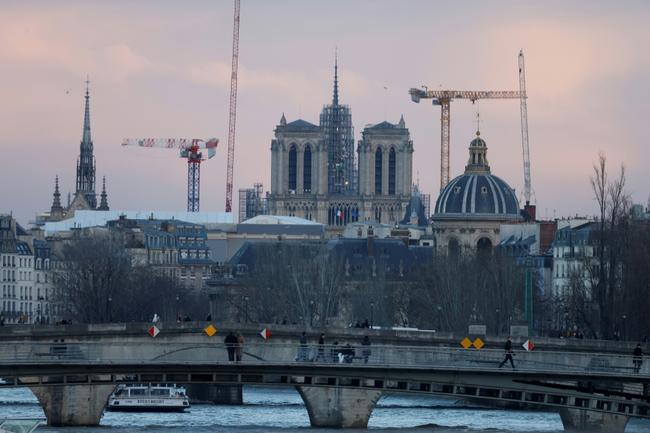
<point>498,311</point>
<point>110,309</point>
<point>372,314</point>
<point>311,313</point>
<point>178,313</point>
<point>439,308</point>
<point>246,298</point>
<point>624,317</point>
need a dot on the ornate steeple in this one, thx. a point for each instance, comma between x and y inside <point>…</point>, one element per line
<point>86,162</point>
<point>335,99</point>
<point>56,211</point>
<point>103,202</point>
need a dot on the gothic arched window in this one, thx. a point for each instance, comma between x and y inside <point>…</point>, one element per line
<point>306,167</point>
<point>293,156</point>
<point>391,171</point>
<point>378,170</point>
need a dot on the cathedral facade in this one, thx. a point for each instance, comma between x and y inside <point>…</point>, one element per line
<point>315,173</point>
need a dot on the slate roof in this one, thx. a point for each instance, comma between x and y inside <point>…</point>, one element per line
<point>301,125</point>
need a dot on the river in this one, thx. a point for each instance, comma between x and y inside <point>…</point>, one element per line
<point>281,410</point>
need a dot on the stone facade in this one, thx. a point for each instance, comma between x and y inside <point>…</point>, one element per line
<point>312,175</point>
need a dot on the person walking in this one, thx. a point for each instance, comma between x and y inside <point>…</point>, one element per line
<point>231,344</point>
<point>365,352</point>
<point>637,358</point>
<point>302,349</point>
<point>239,348</point>
<point>508,353</point>
<point>321,348</point>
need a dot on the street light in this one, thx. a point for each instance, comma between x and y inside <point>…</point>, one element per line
<point>311,313</point>
<point>110,309</point>
<point>439,308</point>
<point>246,298</point>
<point>178,313</point>
<point>498,321</point>
<point>624,317</point>
<point>372,314</point>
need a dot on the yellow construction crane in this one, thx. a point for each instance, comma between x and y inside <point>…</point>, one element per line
<point>444,97</point>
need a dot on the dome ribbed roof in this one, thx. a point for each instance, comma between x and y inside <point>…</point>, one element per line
<point>480,195</point>
<point>477,194</point>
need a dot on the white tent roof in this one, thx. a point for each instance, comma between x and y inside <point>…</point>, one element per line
<point>96,218</point>
<point>279,219</point>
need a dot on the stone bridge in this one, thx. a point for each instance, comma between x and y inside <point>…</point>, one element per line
<point>73,376</point>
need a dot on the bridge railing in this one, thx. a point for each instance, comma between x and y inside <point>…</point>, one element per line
<point>275,353</point>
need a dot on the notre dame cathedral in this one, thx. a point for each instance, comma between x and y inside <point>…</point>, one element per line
<point>316,175</point>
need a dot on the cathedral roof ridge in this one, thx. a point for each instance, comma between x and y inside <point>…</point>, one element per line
<point>300,123</point>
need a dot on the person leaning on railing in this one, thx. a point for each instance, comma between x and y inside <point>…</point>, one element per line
<point>637,358</point>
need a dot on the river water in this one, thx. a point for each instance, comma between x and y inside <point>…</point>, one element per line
<point>281,410</point>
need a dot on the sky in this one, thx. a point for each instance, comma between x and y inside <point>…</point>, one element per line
<point>162,69</point>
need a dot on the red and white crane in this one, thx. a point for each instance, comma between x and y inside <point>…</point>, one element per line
<point>233,108</point>
<point>190,149</point>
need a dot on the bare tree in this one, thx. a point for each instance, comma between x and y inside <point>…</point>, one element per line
<point>294,282</point>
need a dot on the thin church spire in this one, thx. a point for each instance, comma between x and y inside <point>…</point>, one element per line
<point>335,100</point>
<point>86,140</point>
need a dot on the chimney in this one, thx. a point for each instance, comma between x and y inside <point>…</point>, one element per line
<point>531,211</point>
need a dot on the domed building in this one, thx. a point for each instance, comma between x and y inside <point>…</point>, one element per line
<point>471,207</point>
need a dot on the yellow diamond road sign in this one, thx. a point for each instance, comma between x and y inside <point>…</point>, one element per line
<point>478,343</point>
<point>210,330</point>
<point>466,343</point>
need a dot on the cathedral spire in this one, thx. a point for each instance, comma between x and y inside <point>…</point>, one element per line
<point>86,162</point>
<point>56,211</point>
<point>335,99</point>
<point>86,140</point>
<point>103,203</point>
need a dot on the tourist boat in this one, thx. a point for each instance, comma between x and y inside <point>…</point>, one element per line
<point>148,398</point>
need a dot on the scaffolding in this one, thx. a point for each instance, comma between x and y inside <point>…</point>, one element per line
<point>252,202</point>
<point>336,124</point>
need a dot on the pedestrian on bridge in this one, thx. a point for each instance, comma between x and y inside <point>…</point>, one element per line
<point>321,348</point>
<point>365,352</point>
<point>239,348</point>
<point>231,344</point>
<point>637,358</point>
<point>508,357</point>
<point>302,349</point>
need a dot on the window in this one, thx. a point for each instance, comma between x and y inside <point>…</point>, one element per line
<point>306,170</point>
<point>391,172</point>
<point>378,171</point>
<point>293,157</point>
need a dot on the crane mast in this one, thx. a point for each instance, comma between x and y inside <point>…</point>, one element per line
<point>233,109</point>
<point>190,149</point>
<point>524,126</point>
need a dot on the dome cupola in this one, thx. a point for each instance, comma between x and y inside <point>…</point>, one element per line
<point>477,194</point>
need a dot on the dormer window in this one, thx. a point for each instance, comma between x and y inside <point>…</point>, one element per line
<point>484,190</point>
<point>457,190</point>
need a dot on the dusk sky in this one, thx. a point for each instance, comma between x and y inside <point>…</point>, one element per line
<point>162,69</point>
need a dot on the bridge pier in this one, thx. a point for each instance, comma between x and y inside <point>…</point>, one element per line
<point>338,407</point>
<point>581,420</point>
<point>73,405</point>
